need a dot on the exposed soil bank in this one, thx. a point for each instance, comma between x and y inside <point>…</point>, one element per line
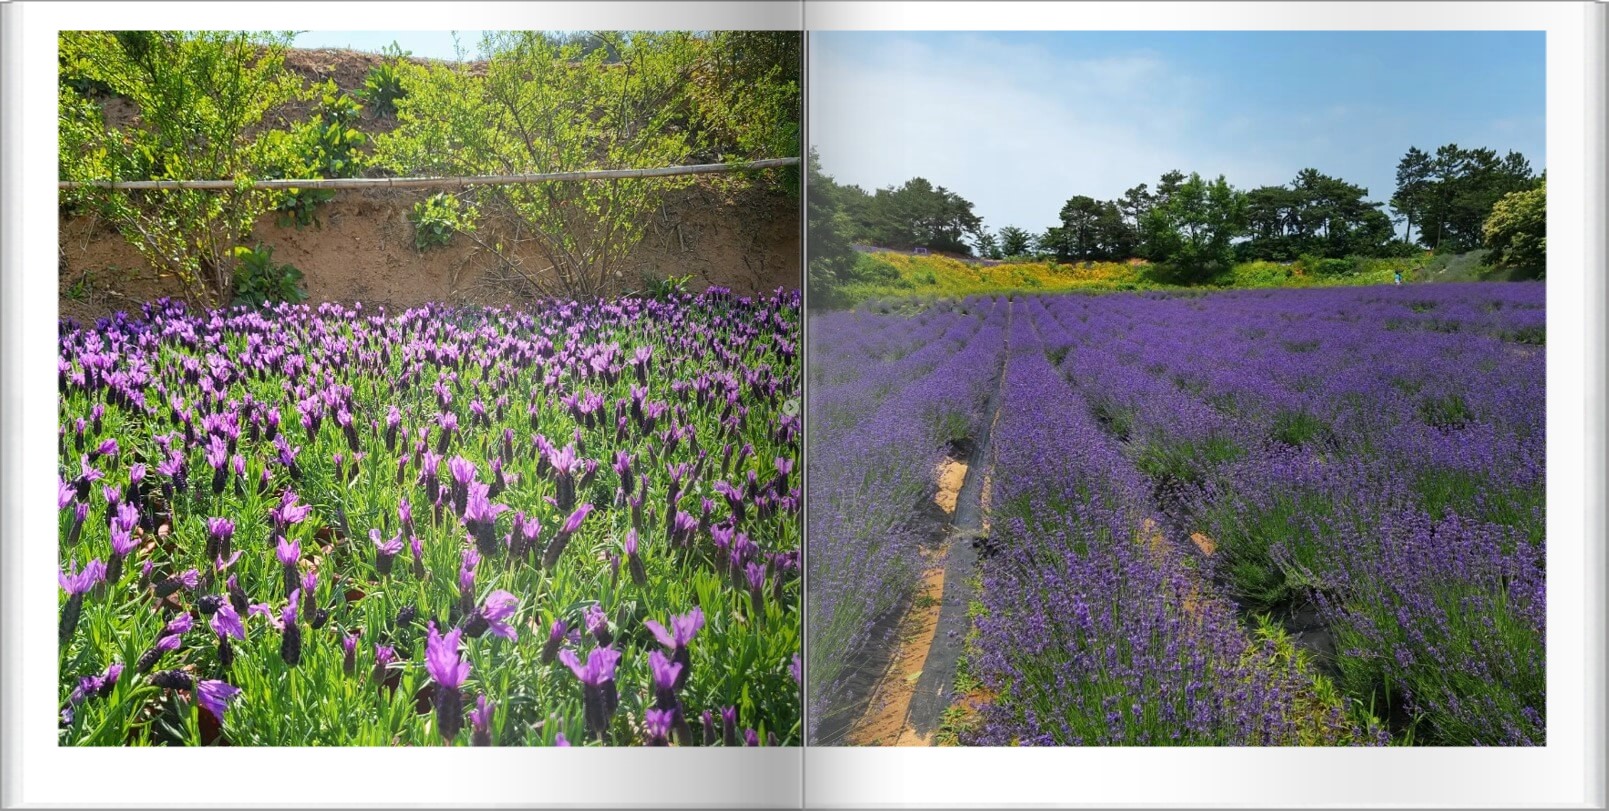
<point>363,250</point>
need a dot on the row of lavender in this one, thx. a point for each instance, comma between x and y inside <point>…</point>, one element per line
<point>1377,454</point>
<point>1095,630</point>
<point>337,526</point>
<point>888,395</point>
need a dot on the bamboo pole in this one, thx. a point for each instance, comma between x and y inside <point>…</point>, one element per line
<point>432,182</point>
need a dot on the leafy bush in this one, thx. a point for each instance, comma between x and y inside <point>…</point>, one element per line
<point>202,99</point>
<point>1517,233</point>
<point>259,282</point>
<point>535,106</point>
<point>325,146</point>
<point>383,86</point>
<point>437,217</point>
<point>872,269</point>
<point>664,289</point>
<point>1321,266</point>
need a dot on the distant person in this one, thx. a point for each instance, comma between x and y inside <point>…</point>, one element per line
<point>1399,277</point>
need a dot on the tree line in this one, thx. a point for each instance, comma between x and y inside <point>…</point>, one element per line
<point>1198,227</point>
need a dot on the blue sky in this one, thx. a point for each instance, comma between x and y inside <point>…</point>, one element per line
<point>1019,122</point>
<point>431,44</point>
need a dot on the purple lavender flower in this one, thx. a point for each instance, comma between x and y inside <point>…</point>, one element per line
<point>639,575</point>
<point>220,532</point>
<point>683,627</point>
<point>290,642</point>
<point>226,623</point>
<point>288,512</point>
<point>556,633</point>
<point>214,696</point>
<point>597,677</point>
<point>385,552</point>
<point>561,538</point>
<point>289,552</point>
<point>178,625</point>
<point>75,581</point>
<point>657,724</point>
<point>384,656</point>
<point>480,721</point>
<point>449,671</point>
<point>492,615</point>
<point>479,515</point>
<point>164,645</point>
<point>349,652</point>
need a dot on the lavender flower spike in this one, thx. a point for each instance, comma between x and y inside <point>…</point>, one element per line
<point>449,671</point>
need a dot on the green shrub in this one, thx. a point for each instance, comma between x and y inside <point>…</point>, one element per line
<point>383,86</point>
<point>204,102</point>
<point>664,289</point>
<point>325,146</point>
<point>870,269</point>
<point>259,282</point>
<point>437,217</point>
<point>1321,266</point>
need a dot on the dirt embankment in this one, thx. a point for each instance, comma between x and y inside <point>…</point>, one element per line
<point>362,248</point>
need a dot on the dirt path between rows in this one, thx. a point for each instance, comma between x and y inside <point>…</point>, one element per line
<point>919,685</point>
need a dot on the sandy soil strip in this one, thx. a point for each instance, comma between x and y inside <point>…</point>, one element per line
<point>886,720</point>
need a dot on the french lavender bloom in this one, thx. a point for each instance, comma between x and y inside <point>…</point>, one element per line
<point>469,561</point>
<point>225,624</point>
<point>729,726</point>
<point>683,628</point>
<point>449,671</point>
<point>76,528</point>
<point>290,642</point>
<point>639,575</point>
<point>99,684</point>
<point>289,552</point>
<point>288,512</point>
<point>76,583</point>
<point>214,696</point>
<point>665,673</point>
<point>164,645</point>
<point>188,579</point>
<point>480,721</point>
<point>492,616</point>
<point>385,552</point>
<point>178,625</point>
<point>599,695</point>
<point>384,656</point>
<point>561,538</point>
<point>657,724</point>
<point>479,517</point>
<point>349,652</point>
<point>597,623</point>
<point>220,532</point>
<point>556,634</point>
<point>463,474</point>
<point>418,549</point>
<point>310,597</point>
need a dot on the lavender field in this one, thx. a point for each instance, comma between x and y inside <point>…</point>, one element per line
<point>332,525</point>
<point>1308,517</point>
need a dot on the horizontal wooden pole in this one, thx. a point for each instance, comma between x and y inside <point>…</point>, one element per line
<point>432,182</point>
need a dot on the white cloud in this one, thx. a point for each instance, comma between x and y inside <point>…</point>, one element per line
<point>1016,130</point>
